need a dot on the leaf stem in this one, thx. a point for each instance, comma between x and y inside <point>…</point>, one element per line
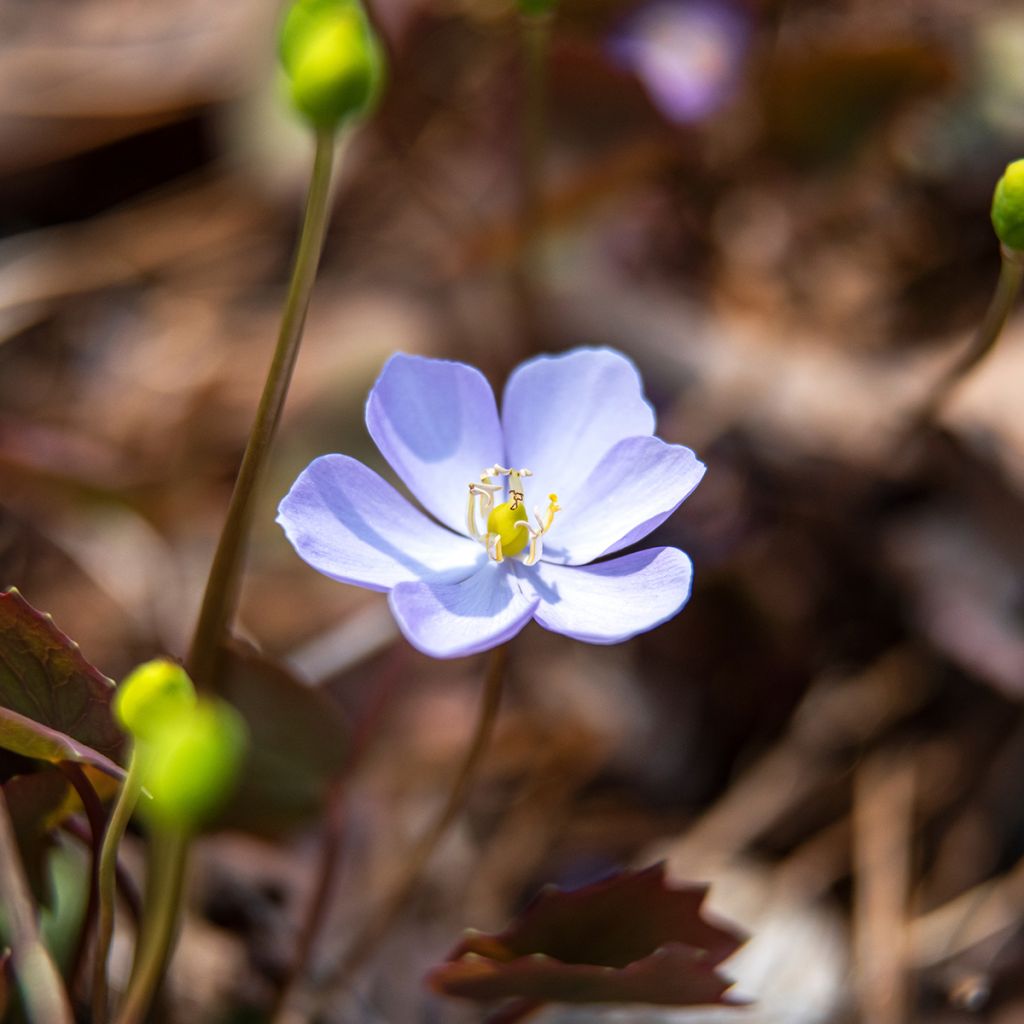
<point>124,806</point>
<point>1011,275</point>
<point>221,595</point>
<point>168,861</point>
<point>97,820</point>
<point>42,991</point>
<point>367,939</point>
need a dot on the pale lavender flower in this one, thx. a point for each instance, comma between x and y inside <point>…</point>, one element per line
<point>687,53</point>
<point>574,425</point>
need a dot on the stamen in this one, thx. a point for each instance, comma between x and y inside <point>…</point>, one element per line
<point>484,491</point>
<point>500,535</point>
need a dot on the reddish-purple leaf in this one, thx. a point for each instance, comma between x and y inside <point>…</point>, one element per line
<point>56,705</point>
<point>673,975</point>
<point>32,739</point>
<point>627,939</point>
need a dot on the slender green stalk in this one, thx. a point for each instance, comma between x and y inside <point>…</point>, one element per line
<point>305,1006</point>
<point>1011,275</point>
<point>222,586</point>
<point>42,990</point>
<point>168,861</point>
<point>124,806</point>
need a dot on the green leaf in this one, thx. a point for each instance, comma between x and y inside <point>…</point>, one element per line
<point>54,705</point>
<point>298,745</point>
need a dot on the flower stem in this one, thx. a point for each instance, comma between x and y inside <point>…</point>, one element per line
<point>367,939</point>
<point>168,860</point>
<point>1011,275</point>
<point>222,586</point>
<point>127,797</point>
<point>42,991</point>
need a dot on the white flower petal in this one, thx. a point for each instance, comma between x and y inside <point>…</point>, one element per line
<point>561,415</point>
<point>611,601</point>
<point>436,423</point>
<point>449,620</point>
<point>637,485</point>
<point>349,524</point>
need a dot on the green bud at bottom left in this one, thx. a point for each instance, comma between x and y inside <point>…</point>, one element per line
<point>191,764</point>
<point>150,694</point>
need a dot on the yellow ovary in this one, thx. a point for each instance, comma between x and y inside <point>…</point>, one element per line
<point>503,521</point>
<point>507,529</point>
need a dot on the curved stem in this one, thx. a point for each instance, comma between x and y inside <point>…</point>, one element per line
<point>221,594</point>
<point>1011,275</point>
<point>97,819</point>
<point>367,939</point>
<point>125,885</point>
<point>159,928</point>
<point>127,797</point>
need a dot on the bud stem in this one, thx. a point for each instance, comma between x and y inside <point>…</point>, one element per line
<point>221,596</point>
<point>1011,275</point>
<point>168,858</point>
<point>127,797</point>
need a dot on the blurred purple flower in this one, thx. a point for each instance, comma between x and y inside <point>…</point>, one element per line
<point>687,53</point>
<point>575,423</point>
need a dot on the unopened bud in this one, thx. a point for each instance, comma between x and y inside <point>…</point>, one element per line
<point>190,765</point>
<point>1008,207</point>
<point>150,694</point>
<point>332,58</point>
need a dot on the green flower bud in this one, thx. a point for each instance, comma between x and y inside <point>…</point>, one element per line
<point>191,763</point>
<point>150,694</point>
<point>1008,207</point>
<point>332,58</point>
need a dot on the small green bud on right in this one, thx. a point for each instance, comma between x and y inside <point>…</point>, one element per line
<point>1008,207</point>
<point>332,58</point>
<point>150,694</point>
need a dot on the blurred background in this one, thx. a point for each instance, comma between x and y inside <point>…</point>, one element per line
<point>779,210</point>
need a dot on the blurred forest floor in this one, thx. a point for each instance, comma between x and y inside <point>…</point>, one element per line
<point>831,732</point>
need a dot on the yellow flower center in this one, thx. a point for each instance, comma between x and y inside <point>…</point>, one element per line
<point>504,520</point>
<point>507,529</point>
